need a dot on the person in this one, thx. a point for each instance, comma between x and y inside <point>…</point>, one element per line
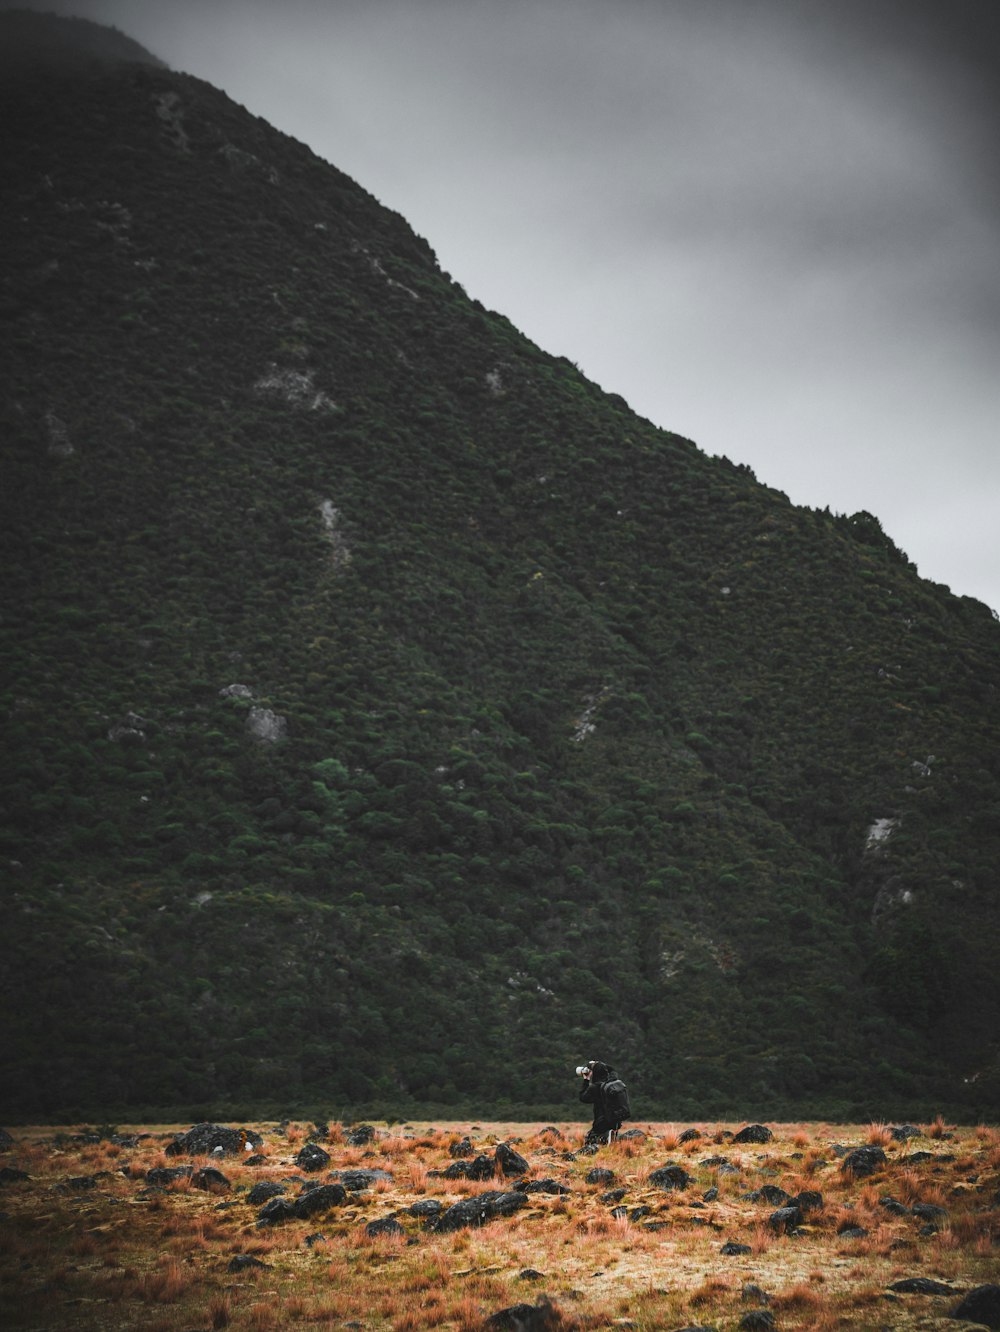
<point>595,1076</point>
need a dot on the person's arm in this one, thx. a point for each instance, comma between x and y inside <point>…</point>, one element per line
<point>588,1092</point>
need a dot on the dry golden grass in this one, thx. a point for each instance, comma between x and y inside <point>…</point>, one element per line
<point>111,1252</point>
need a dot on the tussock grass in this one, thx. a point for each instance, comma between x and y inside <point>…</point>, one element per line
<point>118,1252</point>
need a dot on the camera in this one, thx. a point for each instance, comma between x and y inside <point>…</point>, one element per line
<point>582,1070</point>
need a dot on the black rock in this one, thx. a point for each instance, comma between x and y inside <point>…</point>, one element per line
<point>312,1157</point>
<point>256,1160</point>
<point>211,1180</point>
<point>768,1193</point>
<point>809,1200</point>
<point>689,1135</point>
<point>921,1286</point>
<point>276,1210</point>
<point>631,1133</point>
<point>612,1196</point>
<point>360,1136</point>
<point>894,1207</point>
<point>463,1148</point>
<point>242,1261</point>
<point>863,1161</point>
<point>204,1139</point>
<point>757,1320</point>
<point>619,1212</point>
<point>425,1207</point>
<point>710,1195</point>
<point>318,1200</point>
<point>541,1186</point>
<point>600,1176</point>
<point>853,1232</point>
<point>785,1219</point>
<point>481,1168</point>
<point>356,1180</point>
<point>317,1237</point>
<point>167,1174</point>
<point>10,1174</point>
<point>981,1305</point>
<point>754,1292</point>
<point>670,1177</point>
<point>260,1193</point>
<point>929,1212</point>
<point>732,1250</point>
<point>387,1225</point>
<point>476,1211</point>
<point>510,1162</point>
<point>757,1133</point>
<point>637,1213</point>
<point>320,1133</point>
<point>530,1274</point>
<point>904,1131</point>
<point>541,1317</point>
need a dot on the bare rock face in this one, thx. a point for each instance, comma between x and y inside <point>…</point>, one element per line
<point>266,726</point>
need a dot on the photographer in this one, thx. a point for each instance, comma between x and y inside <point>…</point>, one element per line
<point>607,1112</point>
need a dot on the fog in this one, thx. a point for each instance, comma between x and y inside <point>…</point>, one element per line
<point>771,225</point>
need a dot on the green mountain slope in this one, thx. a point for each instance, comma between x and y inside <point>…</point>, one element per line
<point>391,716</point>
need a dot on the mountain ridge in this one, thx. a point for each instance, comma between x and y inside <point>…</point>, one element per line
<point>388,703</point>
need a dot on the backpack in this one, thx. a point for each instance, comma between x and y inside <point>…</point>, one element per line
<point>615,1097</point>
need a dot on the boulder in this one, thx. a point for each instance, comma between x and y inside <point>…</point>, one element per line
<point>612,1196</point>
<point>689,1135</point>
<point>863,1161</point>
<point>242,1261</point>
<point>981,1305</point>
<point>462,1148</point>
<point>921,1286</point>
<point>542,1186</point>
<point>757,1320</point>
<point>929,1212</point>
<point>809,1200</point>
<point>785,1220</point>
<point>600,1176</point>
<point>894,1207</point>
<point>356,1180</point>
<point>540,1317</point>
<point>204,1139</point>
<point>904,1131</point>
<point>211,1180</point>
<point>427,1208</point>
<point>510,1162</point>
<point>168,1174</point>
<point>733,1250</point>
<point>309,1203</point>
<point>768,1193</point>
<point>670,1177</point>
<point>360,1136</point>
<point>476,1211</point>
<point>481,1168</point>
<point>755,1133</point>
<point>386,1225</point>
<point>267,1188</point>
<point>312,1157</point>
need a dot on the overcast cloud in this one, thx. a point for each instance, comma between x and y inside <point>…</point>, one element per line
<point>771,225</point>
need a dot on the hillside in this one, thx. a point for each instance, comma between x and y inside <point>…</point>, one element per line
<point>392,717</point>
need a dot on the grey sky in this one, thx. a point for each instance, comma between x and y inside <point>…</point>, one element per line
<point>771,225</point>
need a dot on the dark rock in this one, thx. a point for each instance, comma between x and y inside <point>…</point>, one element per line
<point>785,1219</point>
<point>981,1305</point>
<point>360,1136</point>
<point>550,1131</point>
<point>753,1292</point>
<point>541,1186</point>
<point>260,1193</point>
<point>476,1211</point>
<point>929,1212</point>
<point>670,1177</point>
<point>809,1200</point>
<point>637,1213</point>
<point>619,1212</point>
<point>710,1195</point>
<point>317,1237</point>
<point>612,1196</point>
<point>168,1174</point>
<point>600,1176</point>
<point>425,1207</point>
<point>863,1161</point>
<point>204,1139</point>
<point>540,1317</point>
<point>320,1133</point>
<point>481,1168</point>
<point>921,1286</point>
<point>242,1261</point>
<point>630,1133</point>
<point>530,1274</point>
<point>312,1157</point>
<point>256,1160</point>
<point>356,1180</point>
<point>463,1148</point>
<point>10,1174</point>
<point>689,1135</point>
<point>768,1193</point>
<point>839,1150</point>
<point>894,1207</point>
<point>732,1250</point>
<point>757,1320</point>
<point>386,1225</point>
<point>853,1232</point>
<point>902,1132</point>
<point>310,1202</point>
<point>211,1180</point>
<point>757,1133</point>
<point>510,1162</point>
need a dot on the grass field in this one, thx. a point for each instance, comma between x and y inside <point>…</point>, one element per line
<point>87,1241</point>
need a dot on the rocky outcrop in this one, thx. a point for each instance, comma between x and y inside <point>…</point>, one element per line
<point>208,1139</point>
<point>476,1211</point>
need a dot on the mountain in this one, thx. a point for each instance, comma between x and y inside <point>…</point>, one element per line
<point>392,718</point>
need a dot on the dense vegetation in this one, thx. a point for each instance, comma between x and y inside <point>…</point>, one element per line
<point>554,739</point>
